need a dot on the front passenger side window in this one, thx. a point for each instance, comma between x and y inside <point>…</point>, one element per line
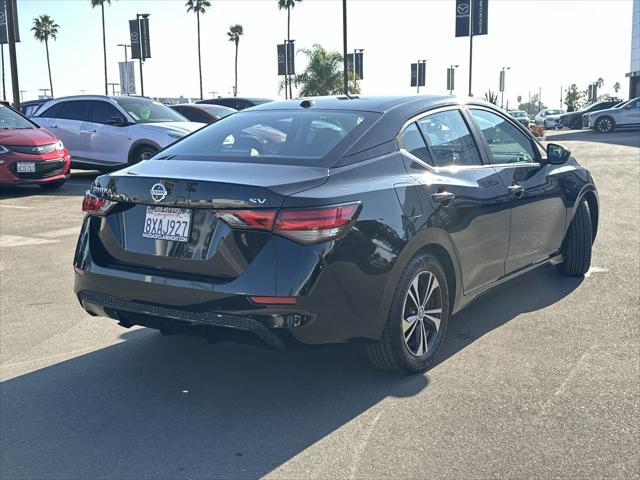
<point>506,142</point>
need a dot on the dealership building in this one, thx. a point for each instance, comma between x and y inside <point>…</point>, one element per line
<point>634,72</point>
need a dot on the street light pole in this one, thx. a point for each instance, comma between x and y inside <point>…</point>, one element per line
<point>503,81</point>
<point>13,60</point>
<point>21,97</point>
<point>113,88</point>
<point>138,17</point>
<point>345,73</point>
<point>125,45</point>
<point>44,92</point>
<point>470,44</point>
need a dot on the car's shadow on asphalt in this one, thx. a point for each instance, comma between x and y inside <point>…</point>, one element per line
<point>177,407</point>
<point>627,137</point>
<point>77,184</point>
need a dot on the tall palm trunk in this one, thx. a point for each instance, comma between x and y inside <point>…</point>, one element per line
<point>46,45</point>
<point>235,88</point>
<point>104,48</point>
<point>199,57</point>
<point>289,41</point>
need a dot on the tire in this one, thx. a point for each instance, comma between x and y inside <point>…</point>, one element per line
<point>605,124</point>
<point>52,185</point>
<point>578,243</point>
<point>143,152</point>
<point>400,349</point>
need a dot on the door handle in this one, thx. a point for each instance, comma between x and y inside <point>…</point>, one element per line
<point>87,131</point>
<point>516,190</point>
<point>53,126</point>
<point>443,197</point>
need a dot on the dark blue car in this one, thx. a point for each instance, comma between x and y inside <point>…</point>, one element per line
<point>328,220</point>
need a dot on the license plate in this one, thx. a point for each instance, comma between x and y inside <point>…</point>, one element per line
<point>25,167</point>
<point>167,223</point>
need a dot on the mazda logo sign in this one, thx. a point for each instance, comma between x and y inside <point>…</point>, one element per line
<point>158,192</point>
<point>463,9</point>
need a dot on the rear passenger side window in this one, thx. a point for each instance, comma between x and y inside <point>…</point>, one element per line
<point>75,110</point>
<point>449,139</point>
<point>414,143</point>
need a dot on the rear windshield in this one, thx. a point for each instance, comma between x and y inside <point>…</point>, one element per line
<point>10,120</point>
<point>273,136</point>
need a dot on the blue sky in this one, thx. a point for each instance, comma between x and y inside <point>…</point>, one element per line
<point>547,44</point>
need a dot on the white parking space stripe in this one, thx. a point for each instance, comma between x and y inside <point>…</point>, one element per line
<point>61,233</point>
<point>14,206</point>
<point>16,241</point>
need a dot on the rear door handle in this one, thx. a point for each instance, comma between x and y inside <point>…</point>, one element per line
<point>516,190</point>
<point>87,131</point>
<point>443,197</point>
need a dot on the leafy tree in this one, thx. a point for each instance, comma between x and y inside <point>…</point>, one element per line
<point>574,98</point>
<point>616,87</point>
<point>43,29</point>
<point>94,4</point>
<point>234,33</point>
<point>491,97</point>
<point>323,74</point>
<point>198,7</point>
<point>533,106</point>
<point>600,82</point>
<point>288,5</point>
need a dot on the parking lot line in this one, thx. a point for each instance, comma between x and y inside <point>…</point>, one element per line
<point>61,232</point>
<point>17,241</point>
<point>14,206</point>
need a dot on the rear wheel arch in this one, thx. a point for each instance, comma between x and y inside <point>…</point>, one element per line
<point>435,242</point>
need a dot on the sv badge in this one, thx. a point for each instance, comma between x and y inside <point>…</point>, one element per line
<point>258,201</point>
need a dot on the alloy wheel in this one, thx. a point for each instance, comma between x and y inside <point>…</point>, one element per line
<point>145,155</point>
<point>604,125</point>
<point>421,313</point>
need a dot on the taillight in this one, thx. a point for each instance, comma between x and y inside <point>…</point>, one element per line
<point>253,219</point>
<point>308,225</point>
<point>313,225</point>
<point>93,205</point>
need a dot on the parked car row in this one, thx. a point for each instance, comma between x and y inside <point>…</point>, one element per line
<point>626,115</point>
<point>575,120</point>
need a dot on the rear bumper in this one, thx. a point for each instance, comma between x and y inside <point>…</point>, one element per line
<point>336,301</point>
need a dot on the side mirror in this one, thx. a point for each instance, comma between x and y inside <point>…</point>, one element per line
<point>116,122</point>
<point>557,154</point>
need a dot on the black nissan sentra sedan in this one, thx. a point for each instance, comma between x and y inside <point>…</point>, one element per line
<point>367,220</point>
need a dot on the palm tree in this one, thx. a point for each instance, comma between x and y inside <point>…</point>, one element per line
<point>288,4</point>
<point>491,97</point>
<point>100,3</point>
<point>323,75</point>
<point>235,31</point>
<point>199,7</point>
<point>616,87</point>
<point>43,29</point>
<point>600,82</point>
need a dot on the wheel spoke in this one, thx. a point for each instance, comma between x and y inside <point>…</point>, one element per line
<point>435,320</point>
<point>414,292</point>
<point>433,284</point>
<point>409,325</point>
<point>422,342</point>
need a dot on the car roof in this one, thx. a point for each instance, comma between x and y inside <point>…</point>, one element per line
<point>379,104</point>
<point>204,106</point>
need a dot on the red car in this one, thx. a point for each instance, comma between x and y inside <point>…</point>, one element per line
<point>30,154</point>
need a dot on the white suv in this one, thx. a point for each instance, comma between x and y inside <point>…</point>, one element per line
<point>103,131</point>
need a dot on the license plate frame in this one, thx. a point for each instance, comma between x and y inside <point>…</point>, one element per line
<point>158,223</point>
<point>25,167</point>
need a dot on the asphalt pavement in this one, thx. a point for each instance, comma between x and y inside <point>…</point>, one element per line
<point>537,379</point>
